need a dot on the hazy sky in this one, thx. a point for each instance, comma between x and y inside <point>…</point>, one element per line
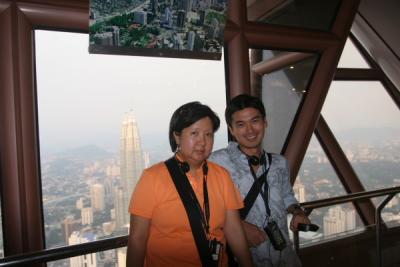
<point>82,98</point>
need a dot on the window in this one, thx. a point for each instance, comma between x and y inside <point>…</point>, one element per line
<point>351,57</point>
<point>369,132</point>
<point>282,77</point>
<point>317,180</point>
<point>312,14</point>
<point>316,170</point>
<point>86,104</point>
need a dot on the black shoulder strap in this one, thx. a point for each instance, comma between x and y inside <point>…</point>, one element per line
<point>254,191</point>
<point>183,187</point>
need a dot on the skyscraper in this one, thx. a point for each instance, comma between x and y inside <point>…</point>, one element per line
<point>97,194</point>
<point>131,165</point>
<point>88,260</point>
<point>181,17</point>
<point>69,225</point>
<point>187,5</point>
<point>154,6</point>
<point>87,215</point>
<point>299,191</point>
<point>339,220</point>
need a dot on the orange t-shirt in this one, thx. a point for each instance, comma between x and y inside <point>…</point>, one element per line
<point>170,241</point>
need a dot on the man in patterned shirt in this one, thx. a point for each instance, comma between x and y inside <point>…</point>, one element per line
<point>246,161</point>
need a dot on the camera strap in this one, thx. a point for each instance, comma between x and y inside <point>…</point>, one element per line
<point>199,221</point>
<point>256,188</point>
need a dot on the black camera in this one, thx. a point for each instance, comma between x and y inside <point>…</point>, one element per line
<point>275,235</point>
<point>216,250</point>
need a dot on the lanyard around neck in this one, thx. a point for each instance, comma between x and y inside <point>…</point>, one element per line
<point>204,214</point>
<point>263,176</point>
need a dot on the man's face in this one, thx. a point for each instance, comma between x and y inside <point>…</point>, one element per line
<point>248,128</point>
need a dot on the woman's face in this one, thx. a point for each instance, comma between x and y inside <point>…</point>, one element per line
<point>195,142</point>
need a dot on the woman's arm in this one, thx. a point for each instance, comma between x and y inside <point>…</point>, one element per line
<point>235,236</point>
<point>137,241</point>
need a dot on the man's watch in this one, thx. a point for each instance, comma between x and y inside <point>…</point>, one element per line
<point>297,210</point>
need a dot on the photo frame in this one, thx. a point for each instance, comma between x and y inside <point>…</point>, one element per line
<point>160,28</point>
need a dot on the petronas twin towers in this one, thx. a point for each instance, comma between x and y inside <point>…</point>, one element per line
<point>131,167</point>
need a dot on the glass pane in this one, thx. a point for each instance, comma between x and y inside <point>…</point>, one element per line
<point>351,57</point>
<point>317,179</point>
<point>312,14</point>
<point>366,123</point>
<point>282,85</point>
<point>102,119</point>
<point>391,212</point>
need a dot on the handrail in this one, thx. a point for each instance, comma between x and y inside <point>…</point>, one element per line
<point>347,198</point>
<point>53,254</point>
<point>390,192</point>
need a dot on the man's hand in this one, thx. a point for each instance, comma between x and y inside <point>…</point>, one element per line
<point>254,235</point>
<point>298,217</point>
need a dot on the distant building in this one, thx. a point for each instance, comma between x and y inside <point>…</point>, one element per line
<point>87,215</point>
<point>339,220</point>
<point>131,167</point>
<point>187,5</point>
<point>202,17</point>
<point>180,22</point>
<point>146,159</point>
<point>190,40</point>
<point>84,260</point>
<point>168,21</point>
<point>140,17</point>
<point>97,194</point>
<point>214,28</point>
<point>121,256</point>
<point>109,38</point>
<point>119,207</point>
<point>104,38</point>
<point>112,170</point>
<point>115,36</point>
<point>299,191</point>
<point>82,202</point>
<point>154,6</point>
<point>69,225</point>
<point>108,228</point>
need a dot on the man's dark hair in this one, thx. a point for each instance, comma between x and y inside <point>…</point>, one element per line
<point>241,102</point>
<point>188,114</point>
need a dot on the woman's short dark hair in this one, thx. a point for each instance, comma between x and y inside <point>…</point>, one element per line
<point>188,114</point>
<point>241,102</point>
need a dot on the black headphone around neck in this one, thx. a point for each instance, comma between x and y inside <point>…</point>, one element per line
<point>185,167</point>
<point>255,161</point>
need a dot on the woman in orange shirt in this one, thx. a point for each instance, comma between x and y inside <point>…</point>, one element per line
<point>160,231</point>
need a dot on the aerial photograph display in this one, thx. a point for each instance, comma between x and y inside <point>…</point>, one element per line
<point>191,25</point>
